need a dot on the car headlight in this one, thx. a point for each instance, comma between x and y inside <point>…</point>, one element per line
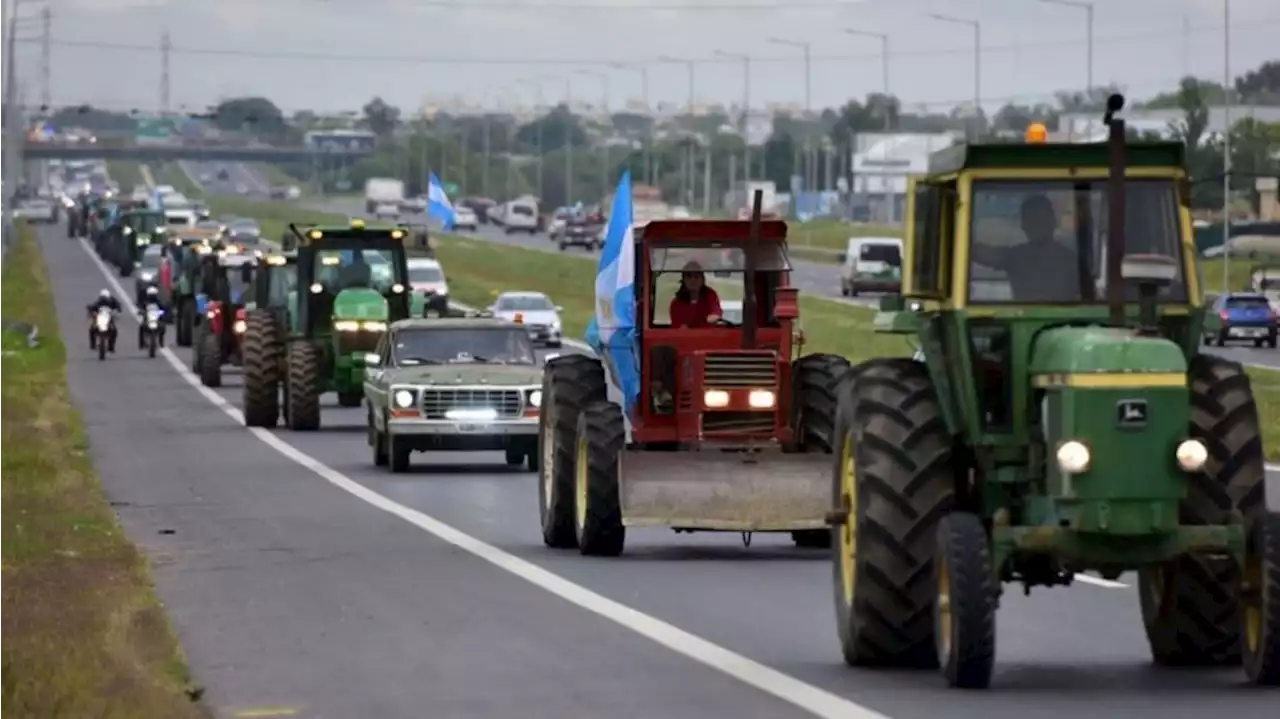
<point>555,325</point>
<point>239,327</point>
<point>1073,457</point>
<point>535,398</point>
<point>147,276</point>
<point>715,398</point>
<point>403,399</point>
<point>761,399</point>
<point>1192,455</point>
<point>346,326</point>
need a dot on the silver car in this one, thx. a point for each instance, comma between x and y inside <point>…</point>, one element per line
<point>535,311</point>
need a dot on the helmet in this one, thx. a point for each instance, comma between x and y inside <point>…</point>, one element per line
<point>105,294</point>
<point>152,292</point>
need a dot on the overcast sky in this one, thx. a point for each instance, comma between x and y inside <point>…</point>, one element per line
<point>1030,48</point>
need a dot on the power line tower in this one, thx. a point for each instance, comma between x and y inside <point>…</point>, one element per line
<point>46,67</point>
<point>165,47</point>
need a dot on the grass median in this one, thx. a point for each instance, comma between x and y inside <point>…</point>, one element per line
<point>83,633</point>
<point>126,173</point>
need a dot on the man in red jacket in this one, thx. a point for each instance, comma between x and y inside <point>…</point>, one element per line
<point>695,304</point>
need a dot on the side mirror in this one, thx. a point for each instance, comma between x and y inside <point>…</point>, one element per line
<point>372,359</point>
<point>550,356</point>
<point>1154,269</point>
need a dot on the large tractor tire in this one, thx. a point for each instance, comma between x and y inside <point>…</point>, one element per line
<point>815,381</point>
<point>210,354</point>
<point>569,384</point>
<point>185,322</point>
<point>894,473</point>
<point>597,520</point>
<point>261,358</point>
<point>1191,606</point>
<point>303,394</point>
<point>351,399</point>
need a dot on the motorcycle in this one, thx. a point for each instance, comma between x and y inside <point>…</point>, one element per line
<point>151,329</point>
<point>102,333</point>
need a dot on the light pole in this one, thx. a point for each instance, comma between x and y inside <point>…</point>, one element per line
<point>811,174</point>
<point>746,111</point>
<point>884,65</point>
<point>538,121</point>
<point>603,77</point>
<point>568,144</point>
<point>1226,144</point>
<point>688,186</point>
<point>977,58</point>
<point>648,114</point>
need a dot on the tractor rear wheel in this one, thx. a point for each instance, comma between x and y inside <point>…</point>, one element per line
<point>303,381</point>
<point>894,473</point>
<point>185,318</point>
<point>261,359</point>
<point>965,609</point>
<point>597,497</point>
<point>209,353</point>
<point>815,381</point>
<point>569,384</point>
<point>1191,606</point>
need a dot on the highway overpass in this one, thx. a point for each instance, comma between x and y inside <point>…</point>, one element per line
<point>162,153</point>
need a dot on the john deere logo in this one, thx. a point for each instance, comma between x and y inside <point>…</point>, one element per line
<point>1131,412</point>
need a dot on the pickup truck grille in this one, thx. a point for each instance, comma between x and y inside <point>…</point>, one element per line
<point>726,370</point>
<point>506,402</point>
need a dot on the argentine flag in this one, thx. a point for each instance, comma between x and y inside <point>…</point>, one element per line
<point>612,332</point>
<point>438,205</point>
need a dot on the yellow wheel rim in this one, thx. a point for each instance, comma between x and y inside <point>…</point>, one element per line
<point>944,606</point>
<point>1252,586</point>
<point>849,530</point>
<point>580,483</point>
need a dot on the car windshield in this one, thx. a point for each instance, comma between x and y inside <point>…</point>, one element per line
<point>337,270</point>
<point>425,274</point>
<point>524,303</point>
<point>461,345</point>
<point>143,223</point>
<point>1044,241</point>
<point>1247,303</point>
<point>890,254</point>
<point>177,220</point>
<point>522,210</point>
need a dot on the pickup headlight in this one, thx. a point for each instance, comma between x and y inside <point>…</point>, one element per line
<point>535,398</point>
<point>239,327</point>
<point>403,398</point>
<point>146,276</point>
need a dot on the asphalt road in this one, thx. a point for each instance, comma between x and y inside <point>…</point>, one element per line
<point>238,175</point>
<point>290,589</point>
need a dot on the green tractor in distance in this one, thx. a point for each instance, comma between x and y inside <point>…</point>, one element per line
<point>1058,419</point>
<point>185,252</point>
<point>351,283</point>
<point>274,291</point>
<point>132,232</point>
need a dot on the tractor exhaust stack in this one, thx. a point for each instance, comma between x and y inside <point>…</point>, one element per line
<point>1116,211</point>
<point>749,274</point>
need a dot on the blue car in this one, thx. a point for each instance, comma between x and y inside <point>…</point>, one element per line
<point>1241,317</point>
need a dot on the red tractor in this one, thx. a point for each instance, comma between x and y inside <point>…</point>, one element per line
<point>226,281</point>
<point>731,430</point>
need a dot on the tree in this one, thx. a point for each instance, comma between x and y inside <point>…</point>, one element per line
<point>381,118</point>
<point>559,127</point>
<point>1261,86</point>
<point>780,159</point>
<point>254,115</point>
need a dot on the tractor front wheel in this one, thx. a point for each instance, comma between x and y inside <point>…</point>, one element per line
<point>964,612</point>
<point>303,382</point>
<point>815,383</point>
<point>1190,606</point>
<point>186,312</point>
<point>1260,595</point>
<point>569,384</point>
<point>261,360</point>
<point>893,474</point>
<point>597,497</point>
<point>210,359</point>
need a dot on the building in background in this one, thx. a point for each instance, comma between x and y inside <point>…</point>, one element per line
<point>882,162</point>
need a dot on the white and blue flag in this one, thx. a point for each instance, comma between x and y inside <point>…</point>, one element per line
<point>438,205</point>
<point>612,332</point>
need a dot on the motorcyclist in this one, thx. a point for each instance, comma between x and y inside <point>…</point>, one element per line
<point>104,300</point>
<point>150,297</point>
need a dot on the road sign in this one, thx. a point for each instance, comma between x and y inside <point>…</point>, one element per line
<point>450,188</point>
<point>153,130</point>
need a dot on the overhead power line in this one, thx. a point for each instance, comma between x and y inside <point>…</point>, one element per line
<point>967,51</point>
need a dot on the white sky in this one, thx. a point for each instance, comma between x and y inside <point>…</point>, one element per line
<point>1030,48</point>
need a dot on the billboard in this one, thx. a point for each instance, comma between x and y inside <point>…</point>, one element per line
<point>340,140</point>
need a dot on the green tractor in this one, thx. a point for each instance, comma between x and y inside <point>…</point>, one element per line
<point>133,231</point>
<point>351,282</point>
<point>274,291</point>
<point>1058,419</point>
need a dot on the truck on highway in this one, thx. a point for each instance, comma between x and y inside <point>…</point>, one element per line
<point>382,190</point>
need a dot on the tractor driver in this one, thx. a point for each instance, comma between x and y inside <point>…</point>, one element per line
<point>355,273</point>
<point>695,304</point>
<point>1040,269</point>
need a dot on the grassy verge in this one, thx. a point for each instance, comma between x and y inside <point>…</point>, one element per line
<point>479,270</point>
<point>126,173</point>
<point>274,175</point>
<point>170,173</point>
<point>83,633</point>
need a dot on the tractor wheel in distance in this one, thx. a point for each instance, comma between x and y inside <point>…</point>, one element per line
<point>378,441</point>
<point>142,336</point>
<point>261,359</point>
<point>196,341</point>
<point>398,453</point>
<point>815,380</point>
<point>350,399</point>
<point>893,472</point>
<point>210,353</point>
<point>1189,606</point>
<point>303,382</point>
<point>1260,592</point>
<point>597,497</point>
<point>569,383</point>
<point>515,456</point>
<point>185,311</point>
<point>964,613</point>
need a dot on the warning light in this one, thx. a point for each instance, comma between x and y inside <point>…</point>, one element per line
<point>357,223</point>
<point>1037,133</point>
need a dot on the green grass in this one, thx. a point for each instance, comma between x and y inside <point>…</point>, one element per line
<point>275,176</point>
<point>170,174</point>
<point>126,173</point>
<point>83,633</point>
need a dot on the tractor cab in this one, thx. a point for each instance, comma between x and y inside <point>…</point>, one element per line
<point>275,283</point>
<point>225,282</point>
<point>136,230</point>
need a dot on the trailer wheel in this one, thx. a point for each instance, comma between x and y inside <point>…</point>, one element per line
<point>597,501</point>
<point>569,383</point>
<point>893,471</point>
<point>965,610</point>
<point>261,358</point>
<point>209,353</point>
<point>303,387</point>
<point>1190,607</point>
<point>815,382</point>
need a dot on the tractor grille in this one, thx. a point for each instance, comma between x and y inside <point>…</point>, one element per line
<point>723,370</point>
<point>507,402</point>
<point>362,341</point>
<point>737,422</point>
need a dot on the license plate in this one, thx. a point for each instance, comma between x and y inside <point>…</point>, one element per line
<point>468,427</point>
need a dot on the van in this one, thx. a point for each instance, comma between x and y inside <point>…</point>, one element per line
<point>871,264</point>
<point>520,216</point>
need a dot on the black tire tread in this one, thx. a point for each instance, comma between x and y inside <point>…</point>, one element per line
<point>815,386</point>
<point>1263,665</point>
<point>569,383</point>
<point>962,542</point>
<point>304,390</point>
<point>602,534</point>
<point>261,357</point>
<point>210,353</point>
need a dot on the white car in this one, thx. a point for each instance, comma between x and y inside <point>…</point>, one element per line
<point>36,209</point>
<point>427,276</point>
<point>535,311</point>
<point>386,211</point>
<point>414,204</point>
<point>464,218</point>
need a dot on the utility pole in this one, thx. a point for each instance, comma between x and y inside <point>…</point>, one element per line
<point>687,184</point>
<point>977,64</point>
<point>165,47</point>
<point>568,144</point>
<point>46,43</point>
<point>1226,145</point>
<point>484,171</point>
<point>746,117</point>
<point>1088,11</point>
<point>811,171</point>
<point>648,133</point>
<point>604,145</point>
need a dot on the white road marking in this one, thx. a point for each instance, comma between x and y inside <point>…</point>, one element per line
<point>808,697</point>
<point>1100,582</point>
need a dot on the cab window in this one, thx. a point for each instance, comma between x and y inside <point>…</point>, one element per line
<point>925,236</point>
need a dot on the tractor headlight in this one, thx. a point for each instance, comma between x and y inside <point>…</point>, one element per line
<point>403,399</point>
<point>715,398</point>
<point>346,326</point>
<point>146,276</point>
<point>535,398</point>
<point>317,288</point>
<point>761,399</point>
<point>1073,457</point>
<point>1192,455</point>
<point>239,327</point>
<point>374,326</point>
<point>397,288</point>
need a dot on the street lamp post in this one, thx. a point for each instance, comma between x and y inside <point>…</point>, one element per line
<point>686,177</point>
<point>1226,144</point>
<point>603,77</point>
<point>568,145</point>
<point>977,57</point>
<point>811,174</point>
<point>746,111</point>
<point>648,114</point>
<point>884,65</point>
<point>540,103</point>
